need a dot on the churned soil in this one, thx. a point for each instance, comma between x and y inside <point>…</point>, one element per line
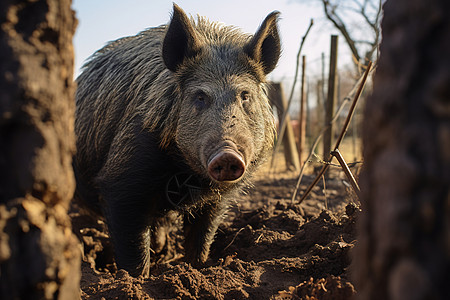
<point>267,248</point>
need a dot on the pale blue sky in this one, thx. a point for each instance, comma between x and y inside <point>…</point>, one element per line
<point>101,21</point>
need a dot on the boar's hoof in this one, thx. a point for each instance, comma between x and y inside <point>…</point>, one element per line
<point>227,165</point>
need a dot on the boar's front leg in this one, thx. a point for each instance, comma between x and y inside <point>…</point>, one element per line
<point>199,230</point>
<point>128,199</point>
<point>130,234</point>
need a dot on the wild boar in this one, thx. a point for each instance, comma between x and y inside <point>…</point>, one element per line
<point>175,118</point>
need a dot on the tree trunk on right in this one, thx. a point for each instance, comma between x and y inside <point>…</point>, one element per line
<point>403,247</point>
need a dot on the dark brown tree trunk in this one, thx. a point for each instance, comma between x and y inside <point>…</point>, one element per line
<point>403,247</point>
<point>39,256</point>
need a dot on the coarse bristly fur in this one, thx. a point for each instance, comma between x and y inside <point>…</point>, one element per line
<point>163,103</point>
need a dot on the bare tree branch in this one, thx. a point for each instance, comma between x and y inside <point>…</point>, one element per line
<point>330,12</point>
<point>369,12</point>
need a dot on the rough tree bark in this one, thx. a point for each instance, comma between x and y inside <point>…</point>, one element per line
<point>39,255</point>
<point>403,247</point>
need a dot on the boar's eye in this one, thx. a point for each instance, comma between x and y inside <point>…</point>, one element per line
<point>201,100</point>
<point>245,96</point>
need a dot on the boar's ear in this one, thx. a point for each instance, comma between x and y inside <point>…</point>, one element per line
<point>264,47</point>
<point>180,41</point>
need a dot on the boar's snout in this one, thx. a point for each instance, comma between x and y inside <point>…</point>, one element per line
<point>226,165</point>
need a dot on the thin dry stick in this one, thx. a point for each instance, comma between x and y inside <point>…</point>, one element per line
<point>319,137</point>
<point>347,171</point>
<point>339,140</point>
<point>352,108</point>
<point>233,238</point>
<point>325,192</point>
<point>316,142</point>
<point>283,120</point>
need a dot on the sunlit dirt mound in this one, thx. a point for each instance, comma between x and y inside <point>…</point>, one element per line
<point>267,248</point>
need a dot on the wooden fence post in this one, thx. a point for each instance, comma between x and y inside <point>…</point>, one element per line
<point>276,97</point>
<point>302,116</point>
<point>331,98</point>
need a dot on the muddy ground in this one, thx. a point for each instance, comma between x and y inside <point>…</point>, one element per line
<point>267,248</point>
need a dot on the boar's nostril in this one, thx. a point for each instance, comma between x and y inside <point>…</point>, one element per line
<point>226,166</point>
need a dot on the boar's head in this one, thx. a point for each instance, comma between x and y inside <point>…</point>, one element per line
<point>224,125</point>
